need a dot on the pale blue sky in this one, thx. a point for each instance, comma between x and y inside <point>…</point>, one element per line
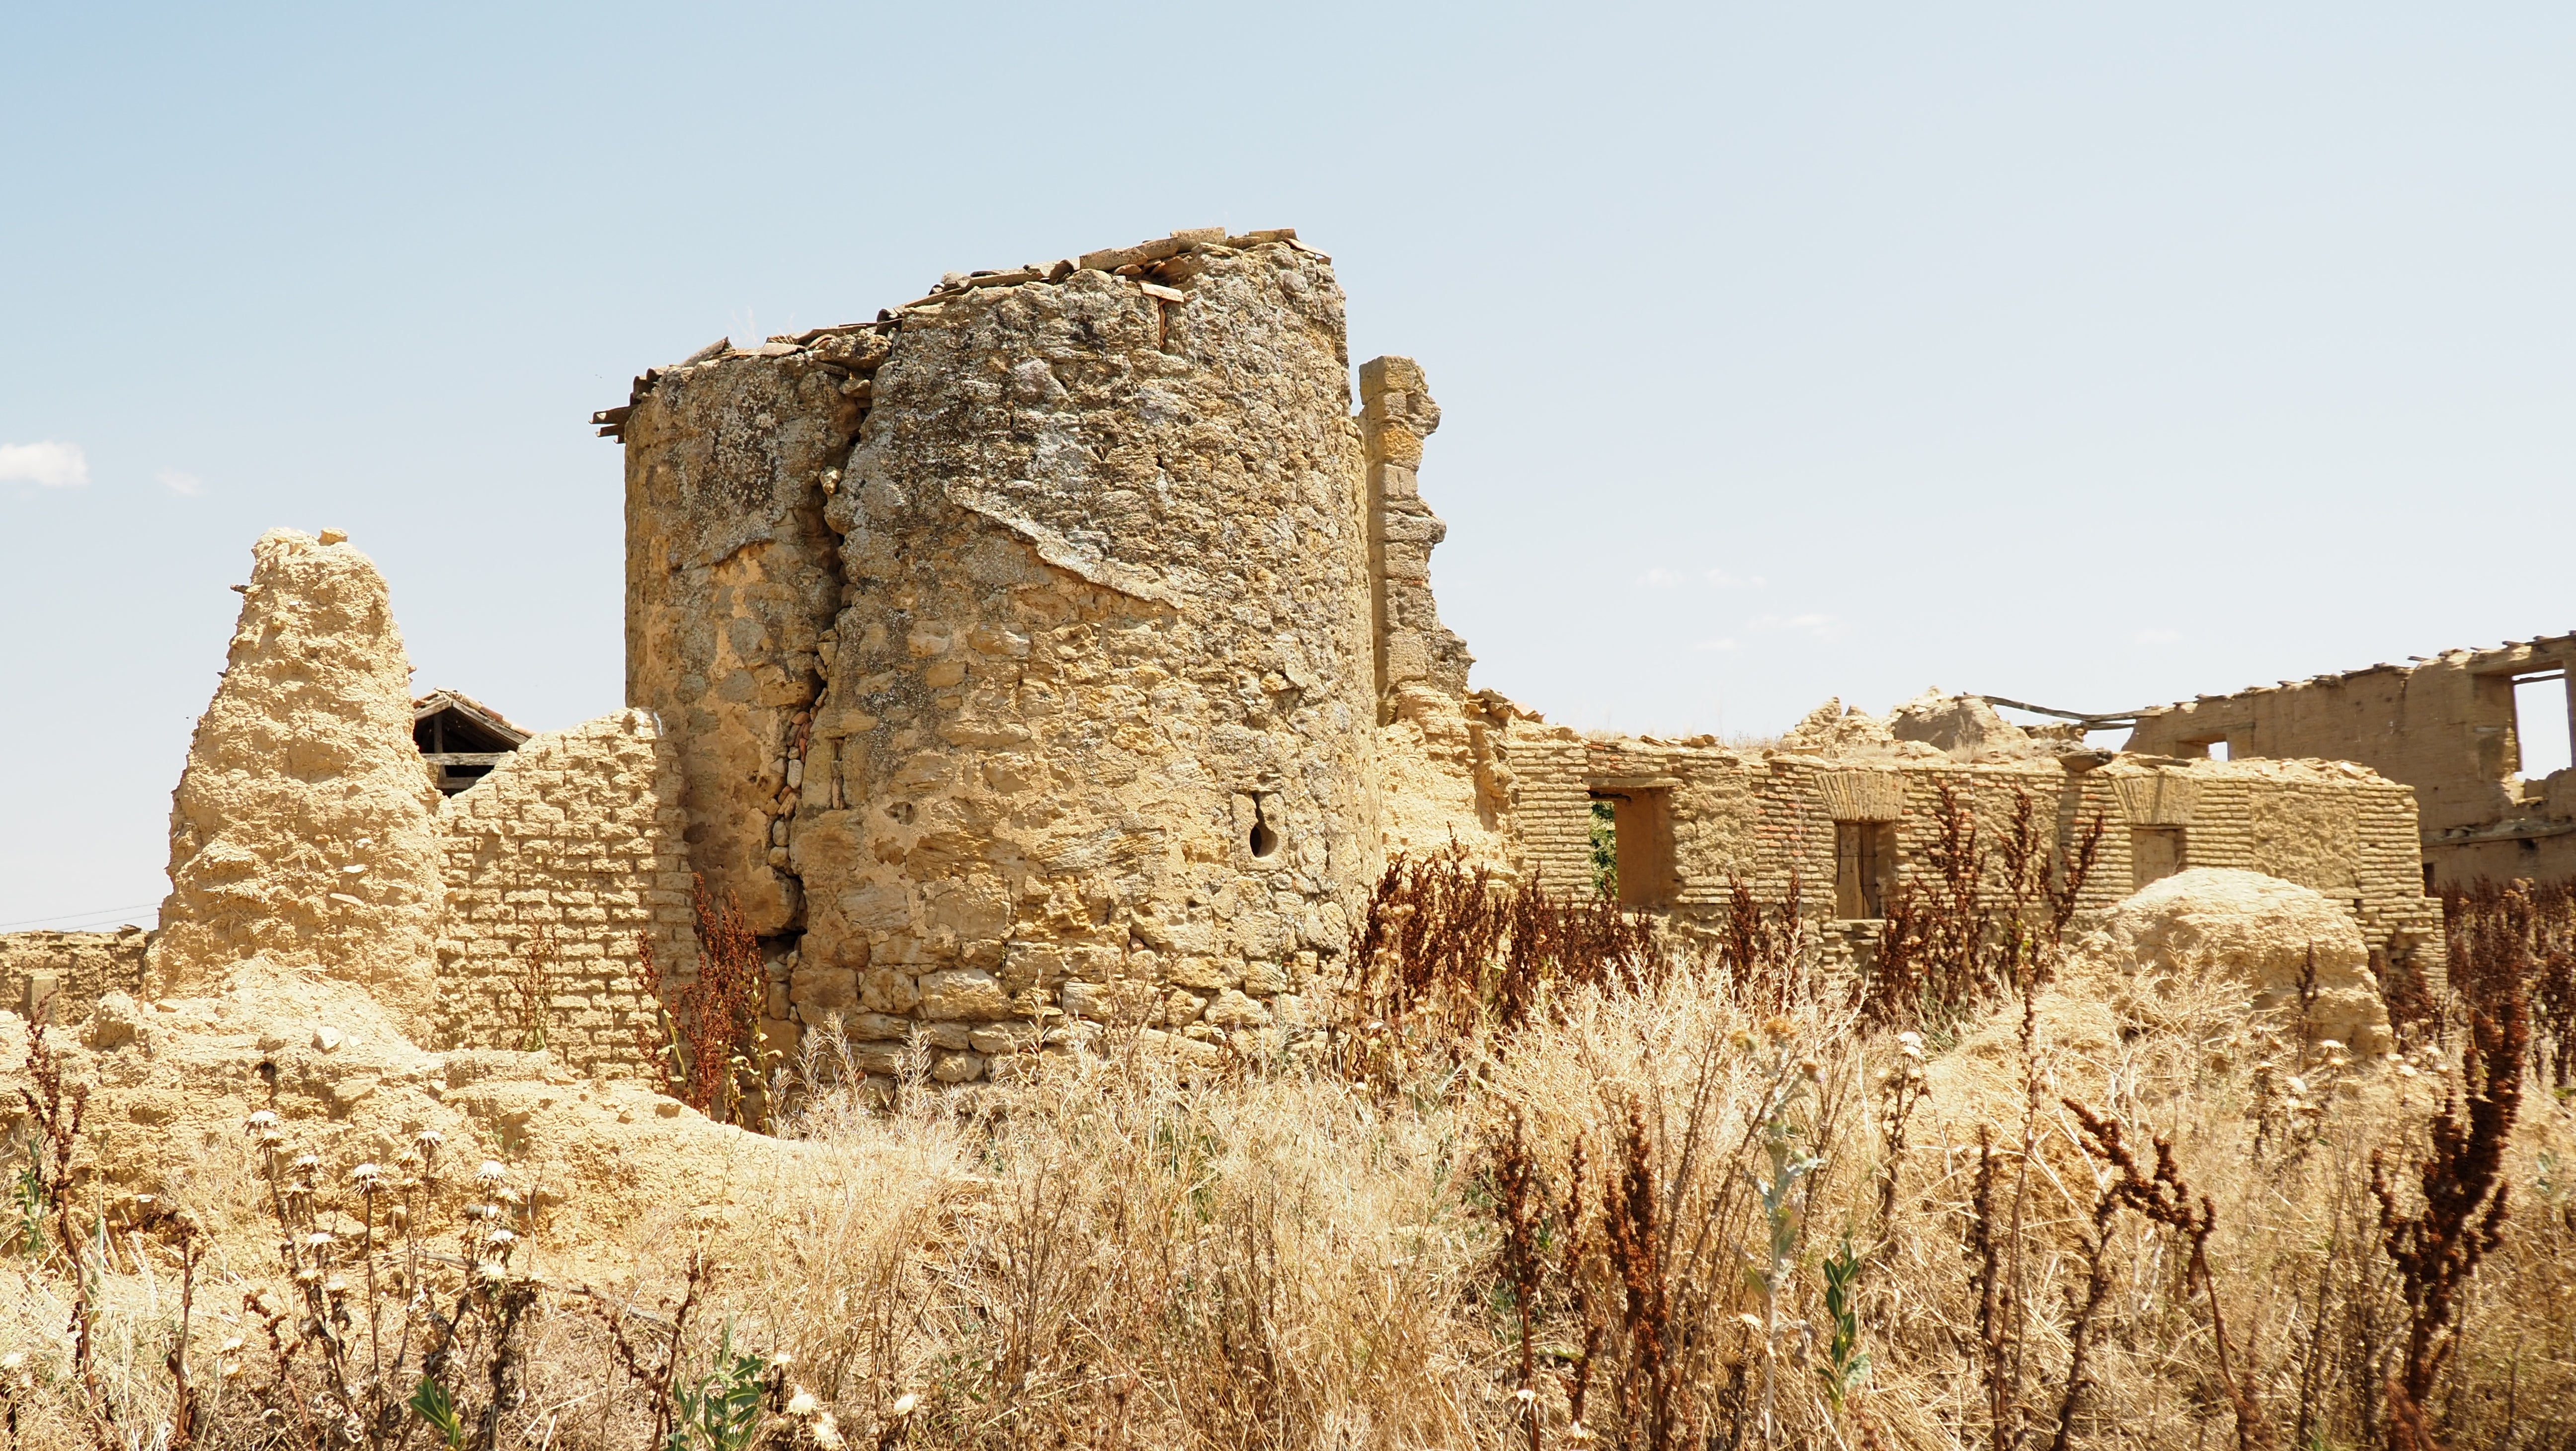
<point>2088,357</point>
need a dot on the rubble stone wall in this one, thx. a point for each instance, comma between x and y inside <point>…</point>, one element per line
<point>557,863</point>
<point>732,580</point>
<point>1413,649</point>
<point>1086,696</point>
<point>78,967</point>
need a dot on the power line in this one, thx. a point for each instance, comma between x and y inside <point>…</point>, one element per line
<point>81,916</point>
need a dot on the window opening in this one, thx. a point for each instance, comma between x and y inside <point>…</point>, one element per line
<point>1864,867</point>
<point>1605,848</point>
<point>2155,853</point>
<point>1265,839</point>
<point>1638,837</point>
<point>2218,751</point>
<point>2540,724</point>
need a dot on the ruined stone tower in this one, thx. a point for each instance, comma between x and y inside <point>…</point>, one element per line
<point>1021,643</point>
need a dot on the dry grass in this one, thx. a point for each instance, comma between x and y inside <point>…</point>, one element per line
<point>1641,1193</point>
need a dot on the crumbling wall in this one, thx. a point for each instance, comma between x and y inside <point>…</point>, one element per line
<point>1772,820</point>
<point>2445,726</point>
<point>1095,703</point>
<point>1414,651</point>
<point>558,864</point>
<point>1444,785</point>
<point>301,829</point>
<point>732,580</point>
<point>71,968</point>
<point>1098,707</point>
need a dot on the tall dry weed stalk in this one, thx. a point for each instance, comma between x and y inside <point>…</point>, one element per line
<point>1444,953</point>
<point>710,1024</point>
<point>2161,1198</point>
<point>2459,1215</point>
<point>1770,948</point>
<point>2520,931</point>
<point>1983,916</point>
<point>1662,1208</point>
<point>532,987</point>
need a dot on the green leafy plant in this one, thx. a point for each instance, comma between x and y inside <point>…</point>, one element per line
<point>1846,1365</point>
<point>27,1200</point>
<point>722,1411</point>
<point>431,1402</point>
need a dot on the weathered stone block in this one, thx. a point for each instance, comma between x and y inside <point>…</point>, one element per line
<point>967,993</point>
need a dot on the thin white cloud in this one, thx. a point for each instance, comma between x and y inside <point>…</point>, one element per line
<point>1721,579</point>
<point>1727,644</point>
<point>51,465</point>
<point>179,483</point>
<point>2156,637</point>
<point>1823,627</point>
<point>1659,579</point>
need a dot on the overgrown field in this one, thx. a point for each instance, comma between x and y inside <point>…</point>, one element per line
<point>1547,1181</point>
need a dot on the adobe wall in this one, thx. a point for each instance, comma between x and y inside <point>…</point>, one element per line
<point>2444,726</point>
<point>76,967</point>
<point>1771,816</point>
<point>1093,700</point>
<point>575,835</point>
<point>300,830</point>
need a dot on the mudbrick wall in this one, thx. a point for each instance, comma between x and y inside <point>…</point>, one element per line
<point>553,867</point>
<point>71,968</point>
<point>2446,726</point>
<point>560,866</point>
<point>1021,644</point>
<point>1769,817</point>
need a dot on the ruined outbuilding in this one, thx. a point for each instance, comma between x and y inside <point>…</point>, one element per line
<point>2450,726</point>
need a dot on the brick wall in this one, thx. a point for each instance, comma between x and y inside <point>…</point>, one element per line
<point>1769,818</point>
<point>2445,726</point>
<point>575,837</point>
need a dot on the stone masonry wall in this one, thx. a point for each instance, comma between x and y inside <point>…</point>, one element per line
<point>732,580</point>
<point>1091,702</point>
<point>1439,787</point>
<point>1413,649</point>
<point>576,839</point>
<point>77,967</point>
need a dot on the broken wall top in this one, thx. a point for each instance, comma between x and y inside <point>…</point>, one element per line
<point>302,826</point>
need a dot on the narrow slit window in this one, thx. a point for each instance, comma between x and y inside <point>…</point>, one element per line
<point>1265,837</point>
